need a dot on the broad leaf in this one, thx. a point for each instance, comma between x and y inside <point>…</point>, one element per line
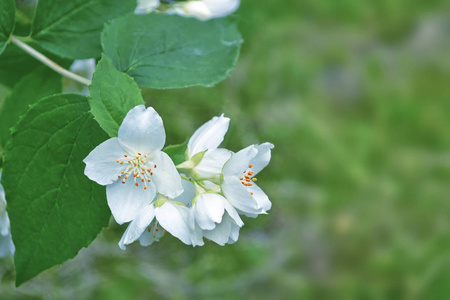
<point>177,152</point>
<point>72,28</point>
<point>112,95</point>
<point>169,51</point>
<point>55,210</point>
<point>40,83</point>
<point>7,18</point>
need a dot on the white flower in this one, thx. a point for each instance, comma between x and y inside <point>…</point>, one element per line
<point>83,67</point>
<point>207,138</point>
<point>146,6</point>
<point>161,215</point>
<point>132,166</point>
<point>6,243</point>
<point>205,9</point>
<point>239,184</point>
<point>213,217</point>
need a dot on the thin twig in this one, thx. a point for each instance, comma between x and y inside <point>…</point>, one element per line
<point>49,63</point>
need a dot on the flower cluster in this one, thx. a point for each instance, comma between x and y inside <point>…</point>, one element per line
<point>203,197</point>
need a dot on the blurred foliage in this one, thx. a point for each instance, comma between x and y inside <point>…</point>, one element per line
<point>355,96</point>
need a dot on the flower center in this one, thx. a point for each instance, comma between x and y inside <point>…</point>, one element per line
<point>138,167</point>
<point>247,177</point>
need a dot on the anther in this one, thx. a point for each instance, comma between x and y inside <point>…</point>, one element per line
<point>126,155</point>
<point>122,172</point>
<point>149,170</point>
<point>121,162</point>
<point>149,228</point>
<point>250,165</point>
<point>164,231</point>
<point>142,173</point>
<point>142,161</point>
<point>148,180</point>
<point>123,181</point>
<point>156,229</point>
<point>138,175</point>
<point>143,180</point>
<point>251,193</point>
<point>145,187</point>
<point>151,173</point>
<point>139,153</point>
<point>247,177</point>
<point>154,235</point>
<point>119,176</point>
<point>254,179</point>
<point>126,177</point>
<point>145,155</point>
<point>155,166</point>
<point>134,175</point>
<point>136,184</point>
<point>250,173</point>
<point>118,160</point>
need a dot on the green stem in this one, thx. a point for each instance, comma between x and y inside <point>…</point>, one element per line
<point>48,62</point>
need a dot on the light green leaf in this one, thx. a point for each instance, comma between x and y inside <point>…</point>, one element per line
<point>40,83</point>
<point>169,51</point>
<point>112,95</point>
<point>7,18</point>
<point>72,28</point>
<point>54,209</point>
<point>177,152</point>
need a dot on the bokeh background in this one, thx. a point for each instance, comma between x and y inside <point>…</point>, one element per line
<point>355,95</point>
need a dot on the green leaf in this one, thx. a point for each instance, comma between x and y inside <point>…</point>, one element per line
<point>169,51</point>
<point>112,95</point>
<point>177,152</point>
<point>72,28</point>
<point>7,19</point>
<point>54,209</point>
<point>40,83</point>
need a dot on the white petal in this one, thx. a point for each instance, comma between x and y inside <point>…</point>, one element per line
<point>239,196</point>
<point>213,161</point>
<point>240,161</point>
<point>142,131</point>
<point>197,236</point>
<point>262,159</point>
<point>234,234</point>
<point>188,193</point>
<point>173,218</point>
<point>221,8</point>
<point>127,200</point>
<point>165,175</point>
<point>101,163</point>
<point>148,237</point>
<point>146,6</point>
<point>208,210</point>
<point>193,8</point>
<point>209,135</point>
<point>6,246</point>
<point>137,226</point>
<point>220,234</point>
<point>260,197</point>
<point>234,215</point>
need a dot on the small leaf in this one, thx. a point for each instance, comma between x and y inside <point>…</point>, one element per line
<point>176,152</point>
<point>54,209</point>
<point>169,51</point>
<point>72,28</point>
<point>7,18</point>
<point>112,95</point>
<point>40,83</point>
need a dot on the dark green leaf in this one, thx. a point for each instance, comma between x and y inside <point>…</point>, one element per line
<point>176,152</point>
<point>72,28</point>
<point>40,83</point>
<point>112,95</point>
<point>169,51</point>
<point>55,210</point>
<point>7,19</point>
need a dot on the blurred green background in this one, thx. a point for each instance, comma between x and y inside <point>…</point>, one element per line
<point>355,95</point>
